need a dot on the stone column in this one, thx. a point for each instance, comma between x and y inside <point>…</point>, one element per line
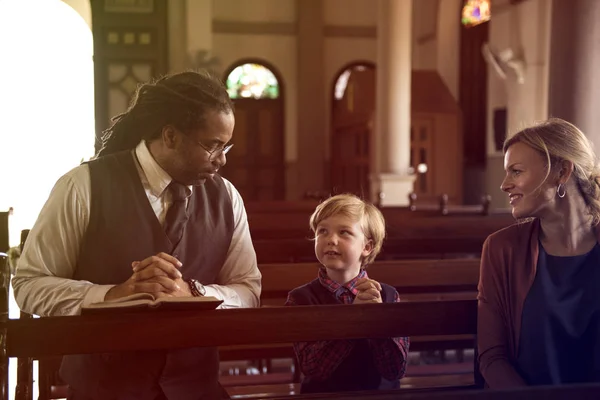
<point>310,169</point>
<point>390,179</point>
<point>574,87</point>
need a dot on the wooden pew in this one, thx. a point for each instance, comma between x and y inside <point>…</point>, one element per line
<point>90,334</point>
<point>45,337</point>
<point>302,250</point>
<point>399,223</point>
<point>407,276</point>
<point>415,280</point>
<point>280,238</point>
<point>289,219</point>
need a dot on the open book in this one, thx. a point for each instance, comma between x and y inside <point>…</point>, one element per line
<point>141,301</point>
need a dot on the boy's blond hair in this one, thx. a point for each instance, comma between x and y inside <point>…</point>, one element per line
<point>348,205</point>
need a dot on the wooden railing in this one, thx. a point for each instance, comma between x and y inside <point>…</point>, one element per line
<point>140,331</point>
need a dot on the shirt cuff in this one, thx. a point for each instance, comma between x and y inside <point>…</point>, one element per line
<point>211,291</point>
<point>95,294</point>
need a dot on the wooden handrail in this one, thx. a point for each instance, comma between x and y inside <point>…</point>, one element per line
<point>42,337</point>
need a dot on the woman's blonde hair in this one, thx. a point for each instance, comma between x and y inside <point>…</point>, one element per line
<point>370,218</point>
<point>558,140</point>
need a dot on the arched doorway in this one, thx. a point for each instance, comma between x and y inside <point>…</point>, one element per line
<point>256,164</point>
<point>435,137</point>
<point>352,113</point>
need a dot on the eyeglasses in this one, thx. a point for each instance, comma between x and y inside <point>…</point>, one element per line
<point>214,153</point>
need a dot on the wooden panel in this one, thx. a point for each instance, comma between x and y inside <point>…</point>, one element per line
<point>259,132</point>
<point>447,151</point>
<point>400,274</point>
<point>267,132</point>
<point>473,92</point>
<point>351,132</point>
<point>422,138</point>
<point>240,135</point>
<point>126,38</point>
<point>4,242</point>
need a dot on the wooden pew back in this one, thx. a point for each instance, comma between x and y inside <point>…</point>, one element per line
<point>271,251</point>
<point>400,223</point>
<point>407,276</point>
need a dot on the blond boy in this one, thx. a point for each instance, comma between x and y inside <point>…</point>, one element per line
<point>349,233</point>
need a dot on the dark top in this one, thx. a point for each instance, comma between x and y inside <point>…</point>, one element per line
<point>124,228</point>
<point>358,370</point>
<point>559,335</point>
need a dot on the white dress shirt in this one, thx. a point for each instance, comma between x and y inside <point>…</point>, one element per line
<point>43,283</point>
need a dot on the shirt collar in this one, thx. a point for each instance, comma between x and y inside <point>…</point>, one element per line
<point>334,287</point>
<point>158,179</point>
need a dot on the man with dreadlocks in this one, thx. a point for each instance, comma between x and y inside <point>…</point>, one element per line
<point>148,214</point>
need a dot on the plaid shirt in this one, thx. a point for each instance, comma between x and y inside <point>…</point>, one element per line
<point>319,360</point>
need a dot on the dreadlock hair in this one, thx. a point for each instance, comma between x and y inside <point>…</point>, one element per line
<point>181,100</point>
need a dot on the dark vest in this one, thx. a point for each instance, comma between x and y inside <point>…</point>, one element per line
<point>122,228</point>
<point>358,370</point>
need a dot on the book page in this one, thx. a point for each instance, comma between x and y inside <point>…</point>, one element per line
<point>141,301</point>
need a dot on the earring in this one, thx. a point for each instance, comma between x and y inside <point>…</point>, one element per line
<point>564,192</point>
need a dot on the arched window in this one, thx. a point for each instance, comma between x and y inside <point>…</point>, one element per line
<point>252,81</point>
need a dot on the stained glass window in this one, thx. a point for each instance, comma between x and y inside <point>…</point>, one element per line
<point>476,12</point>
<point>252,81</point>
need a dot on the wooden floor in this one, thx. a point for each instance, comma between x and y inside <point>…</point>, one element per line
<point>415,382</point>
<point>424,370</point>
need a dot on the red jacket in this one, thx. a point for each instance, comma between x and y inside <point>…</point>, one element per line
<point>508,266</point>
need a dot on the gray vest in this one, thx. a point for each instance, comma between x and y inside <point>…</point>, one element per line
<point>123,228</point>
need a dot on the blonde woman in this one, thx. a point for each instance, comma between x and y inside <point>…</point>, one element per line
<point>539,302</point>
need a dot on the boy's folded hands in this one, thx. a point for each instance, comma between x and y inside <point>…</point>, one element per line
<point>369,291</point>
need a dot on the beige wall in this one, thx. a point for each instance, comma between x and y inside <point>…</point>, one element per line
<point>424,54</point>
<point>350,12</point>
<point>254,10</point>
<point>526,26</point>
<point>448,43</point>
<point>273,39</point>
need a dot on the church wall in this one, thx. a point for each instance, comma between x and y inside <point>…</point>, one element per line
<point>525,25</point>
<point>448,43</point>
<point>424,30</point>
<point>350,12</point>
<point>254,10</point>
<point>268,30</point>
